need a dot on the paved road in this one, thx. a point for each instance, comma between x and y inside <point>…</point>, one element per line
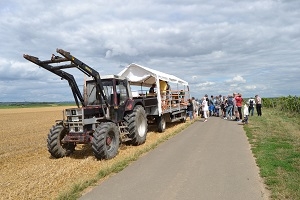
<point>208,160</point>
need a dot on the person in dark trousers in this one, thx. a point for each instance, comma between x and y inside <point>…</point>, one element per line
<point>229,107</point>
<point>239,104</point>
<point>190,109</point>
<point>211,106</point>
<point>258,105</point>
<point>251,103</point>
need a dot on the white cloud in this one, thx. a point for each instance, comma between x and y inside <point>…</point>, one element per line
<point>223,45</point>
<point>218,54</point>
<point>250,87</point>
<point>236,79</point>
<point>205,84</point>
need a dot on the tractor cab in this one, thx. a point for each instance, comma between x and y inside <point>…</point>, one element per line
<point>115,89</point>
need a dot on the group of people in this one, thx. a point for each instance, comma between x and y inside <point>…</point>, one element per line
<point>231,107</point>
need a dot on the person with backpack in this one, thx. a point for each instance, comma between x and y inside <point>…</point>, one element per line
<point>251,103</point>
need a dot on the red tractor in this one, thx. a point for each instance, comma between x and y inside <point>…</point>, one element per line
<point>106,113</point>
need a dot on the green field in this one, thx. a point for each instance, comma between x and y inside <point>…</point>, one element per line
<point>275,140</point>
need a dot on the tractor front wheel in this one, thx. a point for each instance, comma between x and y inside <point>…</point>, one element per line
<point>54,142</point>
<point>106,141</point>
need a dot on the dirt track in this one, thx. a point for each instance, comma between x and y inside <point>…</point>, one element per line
<point>27,170</point>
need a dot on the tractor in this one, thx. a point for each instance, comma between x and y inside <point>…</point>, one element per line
<point>106,114</point>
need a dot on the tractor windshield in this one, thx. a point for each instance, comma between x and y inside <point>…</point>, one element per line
<point>91,91</point>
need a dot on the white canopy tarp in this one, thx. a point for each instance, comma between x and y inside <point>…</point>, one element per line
<point>138,75</point>
<point>144,76</point>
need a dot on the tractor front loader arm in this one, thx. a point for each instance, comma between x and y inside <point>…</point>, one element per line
<point>58,71</point>
<point>87,70</point>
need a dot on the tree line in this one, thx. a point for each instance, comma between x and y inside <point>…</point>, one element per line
<point>289,103</point>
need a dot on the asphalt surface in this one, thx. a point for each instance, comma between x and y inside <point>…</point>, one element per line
<point>208,160</point>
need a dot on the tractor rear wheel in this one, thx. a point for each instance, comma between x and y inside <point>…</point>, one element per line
<point>106,141</point>
<point>137,125</point>
<point>55,146</point>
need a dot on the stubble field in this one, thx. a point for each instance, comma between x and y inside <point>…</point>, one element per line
<point>27,169</point>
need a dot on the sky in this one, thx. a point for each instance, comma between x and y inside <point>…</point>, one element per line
<point>218,46</point>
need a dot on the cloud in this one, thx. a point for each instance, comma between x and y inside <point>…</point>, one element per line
<point>250,87</point>
<point>205,84</point>
<point>217,46</point>
<point>218,54</point>
<point>236,79</point>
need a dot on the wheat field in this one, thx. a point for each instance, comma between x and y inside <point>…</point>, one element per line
<point>27,169</point>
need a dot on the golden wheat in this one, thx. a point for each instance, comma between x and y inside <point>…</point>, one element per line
<point>27,170</point>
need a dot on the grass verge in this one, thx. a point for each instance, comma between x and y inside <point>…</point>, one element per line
<point>275,140</point>
<point>117,166</point>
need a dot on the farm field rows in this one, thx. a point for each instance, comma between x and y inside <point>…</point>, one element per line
<point>27,169</point>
